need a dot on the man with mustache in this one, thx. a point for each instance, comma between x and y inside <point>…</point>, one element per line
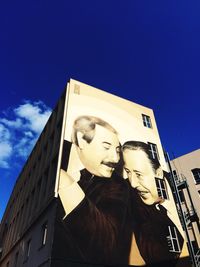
<point>95,207</point>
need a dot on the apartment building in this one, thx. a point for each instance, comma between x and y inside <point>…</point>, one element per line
<point>186,173</point>
<point>31,228</point>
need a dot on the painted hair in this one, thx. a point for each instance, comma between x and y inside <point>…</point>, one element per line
<point>141,146</point>
<point>87,125</point>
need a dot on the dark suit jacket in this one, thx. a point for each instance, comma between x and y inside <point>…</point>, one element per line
<point>152,232</point>
<point>97,231</point>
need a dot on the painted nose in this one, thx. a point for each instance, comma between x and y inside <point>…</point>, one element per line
<point>133,180</point>
<point>114,156</point>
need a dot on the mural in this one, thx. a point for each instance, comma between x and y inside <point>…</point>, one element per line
<point>116,205</point>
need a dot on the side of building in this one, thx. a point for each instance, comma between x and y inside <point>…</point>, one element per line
<point>27,226</point>
<point>186,173</point>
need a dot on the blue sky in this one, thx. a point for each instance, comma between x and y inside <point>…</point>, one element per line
<point>144,51</point>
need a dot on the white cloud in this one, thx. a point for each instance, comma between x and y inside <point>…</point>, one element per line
<point>24,146</point>
<point>5,153</point>
<point>5,146</point>
<point>20,129</point>
<point>4,133</point>
<point>29,134</point>
<point>36,115</point>
<point>12,123</point>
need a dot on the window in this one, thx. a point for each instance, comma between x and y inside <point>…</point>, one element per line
<point>154,151</point>
<point>195,246</point>
<point>175,175</point>
<point>161,188</point>
<point>43,234</point>
<point>181,195</point>
<point>26,211</point>
<point>16,259</point>
<point>45,148</point>
<point>39,158</point>
<point>196,174</point>
<point>39,184</point>
<point>32,199</point>
<point>44,183</point>
<point>173,241</point>
<point>146,121</point>
<point>27,250</point>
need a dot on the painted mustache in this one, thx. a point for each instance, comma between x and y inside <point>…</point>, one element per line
<point>109,164</point>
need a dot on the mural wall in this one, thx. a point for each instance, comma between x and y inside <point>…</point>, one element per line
<point>116,205</point>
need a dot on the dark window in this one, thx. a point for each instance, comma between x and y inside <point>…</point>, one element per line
<point>161,188</point>
<point>34,166</point>
<point>16,259</point>
<point>39,184</point>
<point>154,151</point>
<point>45,148</point>
<point>173,241</point>
<point>44,183</point>
<point>27,210</point>
<point>52,137</point>
<point>27,250</point>
<point>181,195</point>
<point>196,174</point>
<point>195,246</point>
<point>175,175</point>
<point>32,201</point>
<point>43,234</point>
<point>146,121</point>
<point>39,158</point>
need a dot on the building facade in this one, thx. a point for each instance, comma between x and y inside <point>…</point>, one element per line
<point>31,225</point>
<point>28,222</point>
<point>186,173</point>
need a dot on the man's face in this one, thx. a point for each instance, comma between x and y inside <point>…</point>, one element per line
<point>101,155</point>
<point>141,175</point>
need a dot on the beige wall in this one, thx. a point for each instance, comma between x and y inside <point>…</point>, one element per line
<point>125,116</point>
<point>183,166</point>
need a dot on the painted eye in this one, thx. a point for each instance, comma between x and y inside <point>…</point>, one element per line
<point>138,175</point>
<point>127,171</point>
<point>106,146</point>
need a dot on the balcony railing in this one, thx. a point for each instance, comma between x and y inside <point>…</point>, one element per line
<point>189,216</point>
<point>180,180</point>
<point>197,258</point>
